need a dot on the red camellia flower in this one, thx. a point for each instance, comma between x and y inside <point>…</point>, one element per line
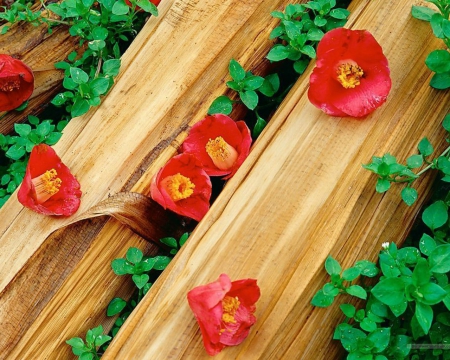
<point>16,82</point>
<point>220,143</point>
<point>224,310</point>
<point>183,187</point>
<point>48,187</point>
<point>351,77</point>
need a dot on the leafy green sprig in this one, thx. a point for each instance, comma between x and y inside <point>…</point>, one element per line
<point>88,349</point>
<point>301,28</point>
<point>390,171</point>
<point>143,270</point>
<point>437,61</point>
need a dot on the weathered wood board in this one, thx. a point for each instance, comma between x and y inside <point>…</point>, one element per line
<point>300,196</point>
<point>64,281</point>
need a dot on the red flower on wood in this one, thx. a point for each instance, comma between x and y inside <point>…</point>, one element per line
<point>220,143</point>
<point>224,310</point>
<point>183,187</point>
<point>16,82</point>
<point>351,77</point>
<point>49,187</point>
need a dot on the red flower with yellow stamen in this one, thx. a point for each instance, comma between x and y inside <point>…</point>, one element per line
<point>220,143</point>
<point>16,82</point>
<point>49,187</point>
<point>183,187</point>
<point>224,311</point>
<point>351,77</point>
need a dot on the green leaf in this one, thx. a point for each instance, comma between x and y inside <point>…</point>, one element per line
<point>253,82</point>
<point>425,147</point>
<point>421,274</point>
<point>382,185</point>
<point>435,215</point>
<point>53,138</point>
<point>111,67</point>
<point>249,98</point>
<point>99,86</point>
<point>389,291</point>
<point>439,259</point>
<point>69,84</point>
<point>170,242</point>
<point>23,106</point>
<point>183,238</point>
<point>22,129</point>
<point>115,306</point>
<point>332,266</point>
<point>424,316</point>
<point>120,8</point>
<point>309,51</point>
<point>440,81</point>
<point>367,268</point>
<point>86,356</point>
<point>134,255</point>
<point>320,21</point>
<point>438,61</point>
<point>15,152</point>
<point>446,122</point>
<point>357,291</point>
<point>436,25</point>
<point>80,107</point>
<point>99,33</point>
<point>259,126</point>
<point>368,325</point>
<point>76,343</point>
<point>44,128</point>
<point>427,244</point>
<point>278,53</point>
<point>5,179</point>
<point>322,300</point>
<point>79,76</point>
<point>340,14</point>
<point>161,262</point>
<point>432,293</point>
<point>380,338</point>
<point>414,161</point>
<point>237,72</point>
<point>351,338</point>
<point>315,34</point>
<point>222,105</point>
<point>96,45</point>
<point>121,267</point>
<point>348,310</point>
<point>409,195</point>
<point>147,6</point>
<point>140,280</point>
<point>102,339</point>
<point>301,65</point>
<point>350,274</point>
<point>422,13</point>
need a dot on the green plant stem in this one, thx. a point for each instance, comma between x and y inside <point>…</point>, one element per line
<point>445,152</point>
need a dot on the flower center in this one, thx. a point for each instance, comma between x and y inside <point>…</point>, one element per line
<point>229,306</point>
<point>9,84</point>
<point>349,74</point>
<point>46,185</point>
<point>222,154</point>
<point>178,186</point>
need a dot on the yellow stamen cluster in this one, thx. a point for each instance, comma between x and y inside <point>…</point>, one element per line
<point>221,153</point>
<point>46,185</point>
<point>230,306</point>
<point>349,75</point>
<point>179,186</point>
<point>9,85</point>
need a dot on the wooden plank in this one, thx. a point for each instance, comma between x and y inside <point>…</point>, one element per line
<point>301,195</point>
<point>119,146</point>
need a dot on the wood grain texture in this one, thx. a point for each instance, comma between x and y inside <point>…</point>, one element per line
<point>120,146</point>
<point>300,196</point>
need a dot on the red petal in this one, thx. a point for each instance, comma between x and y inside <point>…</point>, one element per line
<point>246,290</point>
<point>11,68</point>
<point>197,204</point>
<point>66,201</point>
<point>234,133</point>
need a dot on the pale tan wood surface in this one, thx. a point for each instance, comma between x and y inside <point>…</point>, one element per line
<point>166,84</point>
<point>300,196</point>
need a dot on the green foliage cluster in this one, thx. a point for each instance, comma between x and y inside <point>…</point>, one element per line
<point>437,61</point>
<point>143,270</point>
<point>15,150</point>
<point>390,171</point>
<point>104,29</point>
<point>301,28</point>
<point>407,308</point>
